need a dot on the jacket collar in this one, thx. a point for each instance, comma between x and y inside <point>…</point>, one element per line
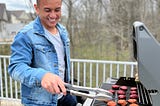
<point>38,29</point>
<point>38,26</point>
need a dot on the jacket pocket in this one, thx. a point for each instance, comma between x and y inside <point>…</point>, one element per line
<point>44,48</point>
<point>39,95</point>
<point>44,54</point>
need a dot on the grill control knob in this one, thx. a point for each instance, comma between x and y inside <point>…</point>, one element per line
<point>153,91</point>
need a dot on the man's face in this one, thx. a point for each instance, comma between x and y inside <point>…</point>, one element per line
<point>49,12</point>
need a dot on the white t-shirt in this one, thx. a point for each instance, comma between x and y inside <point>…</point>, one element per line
<point>58,44</point>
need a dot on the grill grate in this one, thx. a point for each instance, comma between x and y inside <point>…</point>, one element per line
<point>144,98</point>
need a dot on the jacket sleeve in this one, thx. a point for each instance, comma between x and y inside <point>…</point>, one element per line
<point>20,61</point>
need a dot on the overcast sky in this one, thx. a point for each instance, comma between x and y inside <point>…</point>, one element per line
<point>21,5</point>
<point>17,4</point>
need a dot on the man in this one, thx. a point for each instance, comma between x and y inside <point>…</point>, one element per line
<point>40,58</point>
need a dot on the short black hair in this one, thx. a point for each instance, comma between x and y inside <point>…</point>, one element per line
<point>37,2</point>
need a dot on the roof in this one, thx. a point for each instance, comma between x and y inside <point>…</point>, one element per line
<point>16,13</point>
<point>3,12</point>
<point>19,14</point>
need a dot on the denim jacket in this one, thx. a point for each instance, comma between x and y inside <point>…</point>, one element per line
<point>33,55</point>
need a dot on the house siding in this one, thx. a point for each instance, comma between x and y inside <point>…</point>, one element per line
<point>11,22</point>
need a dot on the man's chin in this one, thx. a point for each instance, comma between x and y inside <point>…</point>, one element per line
<point>52,24</point>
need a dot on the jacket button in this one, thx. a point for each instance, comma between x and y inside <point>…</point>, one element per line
<point>55,65</point>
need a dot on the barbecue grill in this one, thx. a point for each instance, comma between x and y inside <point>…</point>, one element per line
<point>146,51</point>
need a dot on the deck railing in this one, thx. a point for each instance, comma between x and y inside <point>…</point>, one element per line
<point>90,73</point>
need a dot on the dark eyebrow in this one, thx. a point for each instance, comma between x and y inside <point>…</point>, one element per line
<point>51,9</point>
<point>58,8</point>
<point>47,9</point>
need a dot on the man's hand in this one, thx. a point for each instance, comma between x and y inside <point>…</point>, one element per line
<point>53,84</point>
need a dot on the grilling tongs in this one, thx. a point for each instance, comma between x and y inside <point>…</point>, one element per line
<point>95,93</point>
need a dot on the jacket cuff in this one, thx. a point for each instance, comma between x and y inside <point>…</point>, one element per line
<point>41,73</point>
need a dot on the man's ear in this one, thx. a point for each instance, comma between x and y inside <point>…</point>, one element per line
<point>36,9</point>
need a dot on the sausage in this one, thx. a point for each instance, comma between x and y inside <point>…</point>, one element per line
<point>124,88</point>
<point>133,88</point>
<point>122,102</point>
<point>115,87</point>
<point>112,91</point>
<point>121,96</point>
<point>132,101</point>
<point>111,103</point>
<point>121,92</point>
<point>133,96</point>
<point>133,92</point>
<point>133,104</point>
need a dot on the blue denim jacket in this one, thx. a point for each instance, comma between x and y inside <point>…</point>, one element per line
<point>33,55</point>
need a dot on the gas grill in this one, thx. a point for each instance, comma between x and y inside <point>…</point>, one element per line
<point>146,51</point>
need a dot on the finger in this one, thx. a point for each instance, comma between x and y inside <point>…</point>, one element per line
<point>62,88</point>
<point>56,89</point>
<point>49,88</point>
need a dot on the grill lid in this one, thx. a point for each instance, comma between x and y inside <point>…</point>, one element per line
<point>147,53</point>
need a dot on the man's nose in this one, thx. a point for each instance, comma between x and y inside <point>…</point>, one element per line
<point>52,14</point>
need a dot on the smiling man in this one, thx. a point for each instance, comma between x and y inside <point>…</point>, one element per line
<point>40,58</point>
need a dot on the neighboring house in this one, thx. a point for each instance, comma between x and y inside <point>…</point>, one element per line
<point>11,22</point>
<point>3,20</point>
<point>17,19</point>
<point>19,16</point>
<point>12,30</point>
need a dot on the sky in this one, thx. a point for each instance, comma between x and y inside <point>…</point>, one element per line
<point>17,4</point>
<point>22,5</point>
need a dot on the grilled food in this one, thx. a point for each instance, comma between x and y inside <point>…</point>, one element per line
<point>122,102</point>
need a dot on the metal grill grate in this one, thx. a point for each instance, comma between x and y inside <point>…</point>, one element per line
<point>144,97</point>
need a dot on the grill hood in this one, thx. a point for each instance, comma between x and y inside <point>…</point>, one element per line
<point>147,53</point>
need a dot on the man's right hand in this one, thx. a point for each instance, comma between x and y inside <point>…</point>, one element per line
<point>53,84</point>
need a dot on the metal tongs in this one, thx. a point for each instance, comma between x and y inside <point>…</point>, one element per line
<point>94,93</point>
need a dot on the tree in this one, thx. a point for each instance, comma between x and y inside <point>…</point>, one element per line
<point>101,29</point>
